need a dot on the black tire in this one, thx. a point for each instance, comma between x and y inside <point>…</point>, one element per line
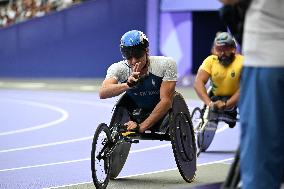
<point>120,153</point>
<point>100,166</point>
<point>182,139</point>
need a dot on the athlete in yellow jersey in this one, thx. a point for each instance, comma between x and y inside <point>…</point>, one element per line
<point>223,68</point>
<point>225,79</point>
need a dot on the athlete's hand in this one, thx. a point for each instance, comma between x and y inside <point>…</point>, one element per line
<point>134,77</point>
<point>131,126</point>
<point>219,104</point>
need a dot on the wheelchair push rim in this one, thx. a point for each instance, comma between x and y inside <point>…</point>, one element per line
<point>197,121</point>
<point>121,151</point>
<point>196,118</point>
<point>100,159</point>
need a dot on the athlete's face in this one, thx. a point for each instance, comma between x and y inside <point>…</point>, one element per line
<point>222,51</point>
<point>225,54</point>
<point>139,63</point>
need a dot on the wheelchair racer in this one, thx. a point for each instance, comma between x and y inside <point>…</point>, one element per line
<point>223,68</point>
<point>149,81</point>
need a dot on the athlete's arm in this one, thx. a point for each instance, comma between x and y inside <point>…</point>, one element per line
<point>233,101</point>
<point>110,88</point>
<point>166,99</point>
<point>199,85</point>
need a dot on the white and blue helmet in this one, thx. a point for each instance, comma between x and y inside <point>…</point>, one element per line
<point>133,43</point>
<point>133,38</point>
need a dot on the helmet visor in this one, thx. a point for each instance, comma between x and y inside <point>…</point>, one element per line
<point>130,52</point>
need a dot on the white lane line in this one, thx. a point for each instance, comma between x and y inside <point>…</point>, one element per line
<point>84,159</point>
<point>141,174</point>
<point>47,145</point>
<point>44,165</point>
<point>78,160</point>
<point>90,103</point>
<point>78,140</point>
<point>104,103</point>
<point>64,116</point>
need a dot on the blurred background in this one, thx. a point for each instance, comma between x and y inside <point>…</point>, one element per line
<point>77,40</point>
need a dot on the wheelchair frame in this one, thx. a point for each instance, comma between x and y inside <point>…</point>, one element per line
<point>117,142</point>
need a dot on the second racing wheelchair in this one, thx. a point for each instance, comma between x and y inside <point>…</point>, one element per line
<point>205,121</point>
<point>111,143</point>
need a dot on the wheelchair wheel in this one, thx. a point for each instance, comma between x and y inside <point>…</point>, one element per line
<point>206,135</point>
<point>100,162</point>
<point>196,118</point>
<point>182,139</point>
<point>197,122</point>
<point>121,151</point>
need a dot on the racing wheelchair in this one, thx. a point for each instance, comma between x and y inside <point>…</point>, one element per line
<point>205,121</point>
<point>111,144</point>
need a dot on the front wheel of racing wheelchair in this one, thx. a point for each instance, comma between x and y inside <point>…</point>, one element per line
<point>109,154</point>
<point>100,159</point>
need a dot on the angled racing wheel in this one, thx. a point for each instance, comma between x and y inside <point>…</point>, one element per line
<point>100,157</point>
<point>182,139</point>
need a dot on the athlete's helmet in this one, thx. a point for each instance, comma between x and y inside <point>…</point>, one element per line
<point>224,47</point>
<point>133,44</point>
<point>225,39</point>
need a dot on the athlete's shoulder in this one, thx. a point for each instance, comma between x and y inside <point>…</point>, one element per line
<point>161,59</point>
<point>118,70</point>
<point>239,59</point>
<point>209,60</point>
<point>119,65</point>
<point>164,67</point>
<point>161,62</point>
<point>211,57</point>
<point>239,56</point>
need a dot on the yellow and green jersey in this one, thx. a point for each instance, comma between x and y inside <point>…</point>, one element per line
<point>225,80</point>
